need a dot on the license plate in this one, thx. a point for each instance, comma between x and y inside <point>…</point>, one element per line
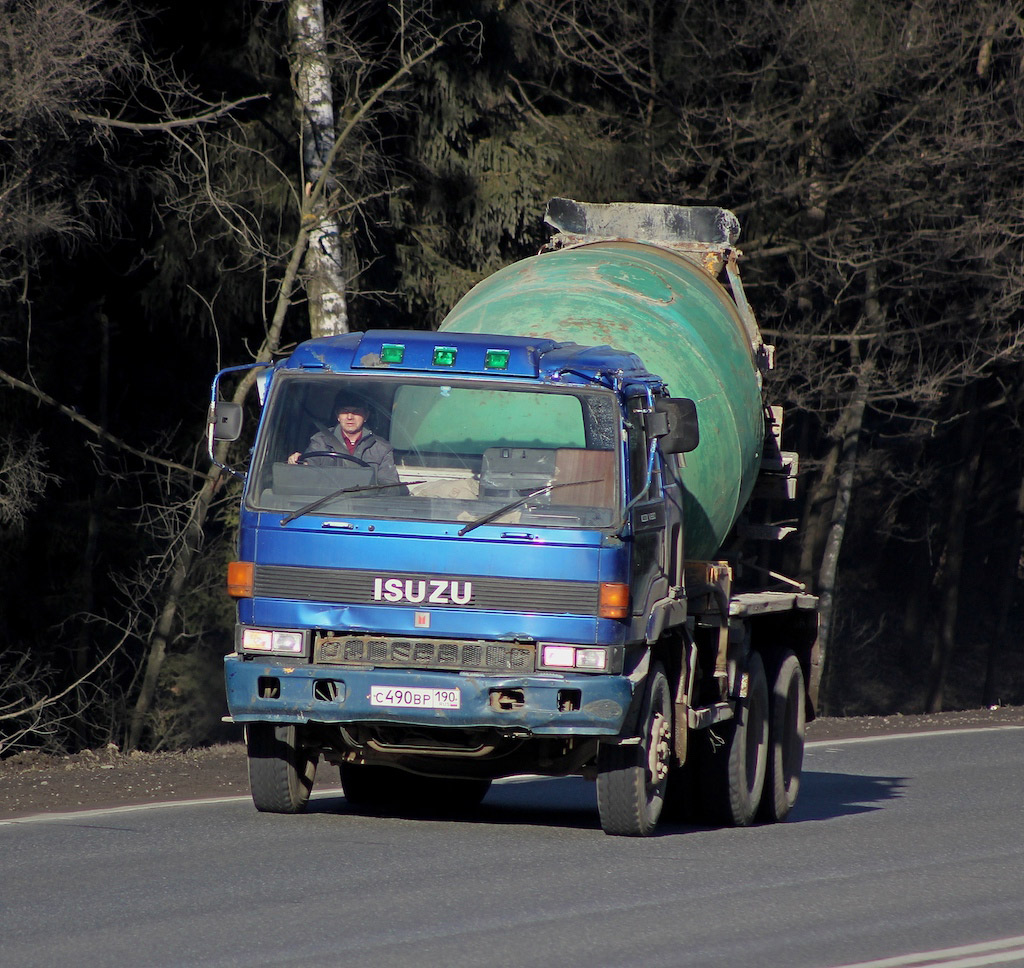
<point>415,698</point>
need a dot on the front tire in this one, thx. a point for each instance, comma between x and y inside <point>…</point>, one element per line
<point>632,780</point>
<point>281,769</point>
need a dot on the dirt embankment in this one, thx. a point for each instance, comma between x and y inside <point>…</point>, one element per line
<point>32,783</point>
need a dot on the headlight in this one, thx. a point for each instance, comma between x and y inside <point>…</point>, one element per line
<point>277,641</point>
<point>559,656</point>
<point>571,657</point>
<point>591,659</point>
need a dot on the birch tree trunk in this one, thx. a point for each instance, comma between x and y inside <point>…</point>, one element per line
<point>311,78</point>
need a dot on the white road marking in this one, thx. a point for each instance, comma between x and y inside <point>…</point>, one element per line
<point>1004,951</point>
<point>107,811</point>
<point>914,734</point>
<point>203,801</point>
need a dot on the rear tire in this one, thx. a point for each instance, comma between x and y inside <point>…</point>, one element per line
<point>632,780</point>
<point>734,755</point>
<point>786,740</point>
<point>281,769</point>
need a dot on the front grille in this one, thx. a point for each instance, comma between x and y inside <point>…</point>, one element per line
<point>352,586</point>
<point>423,653</point>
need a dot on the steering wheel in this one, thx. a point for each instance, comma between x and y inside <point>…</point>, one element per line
<point>331,453</point>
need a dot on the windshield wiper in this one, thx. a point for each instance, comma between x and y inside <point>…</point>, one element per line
<point>512,505</point>
<point>320,501</point>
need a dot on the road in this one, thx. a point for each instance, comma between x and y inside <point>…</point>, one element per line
<point>899,845</point>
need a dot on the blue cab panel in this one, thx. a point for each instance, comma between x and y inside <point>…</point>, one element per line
<point>512,459</point>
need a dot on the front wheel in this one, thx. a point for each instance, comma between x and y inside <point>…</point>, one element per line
<point>632,779</point>
<point>281,769</point>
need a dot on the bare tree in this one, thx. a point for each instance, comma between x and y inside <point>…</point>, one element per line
<point>23,476</point>
<point>879,219</point>
<point>90,51</point>
<point>33,707</point>
<point>870,151</point>
<point>412,46</point>
<point>83,53</point>
<point>74,75</point>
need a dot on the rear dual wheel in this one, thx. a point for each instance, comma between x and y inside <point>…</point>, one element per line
<point>786,739</point>
<point>734,755</point>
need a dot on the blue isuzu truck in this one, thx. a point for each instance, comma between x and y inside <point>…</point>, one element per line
<point>561,574</point>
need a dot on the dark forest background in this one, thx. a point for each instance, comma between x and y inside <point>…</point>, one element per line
<point>163,184</point>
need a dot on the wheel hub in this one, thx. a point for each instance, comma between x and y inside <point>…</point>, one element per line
<point>660,749</point>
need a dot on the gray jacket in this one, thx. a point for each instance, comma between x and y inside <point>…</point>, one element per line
<point>371,449</point>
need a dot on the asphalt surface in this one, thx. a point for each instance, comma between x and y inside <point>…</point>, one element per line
<point>898,845</point>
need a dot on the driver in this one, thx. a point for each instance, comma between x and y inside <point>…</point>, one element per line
<point>351,436</point>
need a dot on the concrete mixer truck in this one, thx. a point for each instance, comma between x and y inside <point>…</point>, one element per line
<point>549,559</point>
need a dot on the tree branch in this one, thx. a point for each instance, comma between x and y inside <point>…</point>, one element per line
<point>212,115</point>
<point>95,428</point>
<point>46,701</point>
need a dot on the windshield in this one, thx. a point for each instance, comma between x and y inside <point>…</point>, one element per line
<point>409,449</point>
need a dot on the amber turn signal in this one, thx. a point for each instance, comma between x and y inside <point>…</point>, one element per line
<point>240,576</point>
<point>613,601</point>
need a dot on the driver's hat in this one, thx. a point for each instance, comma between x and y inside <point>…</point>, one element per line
<point>345,403</point>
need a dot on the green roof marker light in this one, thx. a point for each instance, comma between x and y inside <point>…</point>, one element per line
<point>444,355</point>
<point>496,359</point>
<point>392,353</point>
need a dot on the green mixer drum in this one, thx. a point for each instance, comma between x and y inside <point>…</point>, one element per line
<point>680,321</point>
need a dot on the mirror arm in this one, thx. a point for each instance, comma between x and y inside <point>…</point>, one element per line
<point>212,412</point>
<point>652,451</point>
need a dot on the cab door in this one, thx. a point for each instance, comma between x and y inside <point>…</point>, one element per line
<point>647,525</point>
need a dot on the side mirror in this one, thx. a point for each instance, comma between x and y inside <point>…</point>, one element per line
<point>226,420</point>
<point>674,422</point>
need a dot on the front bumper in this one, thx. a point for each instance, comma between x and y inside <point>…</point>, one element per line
<point>551,705</point>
